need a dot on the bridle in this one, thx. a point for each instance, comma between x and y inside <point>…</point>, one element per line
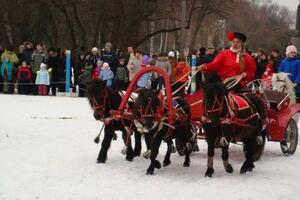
<point>100,109</point>
<point>157,114</point>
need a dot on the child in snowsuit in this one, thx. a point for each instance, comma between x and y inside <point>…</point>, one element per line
<point>121,78</point>
<point>106,74</point>
<point>42,79</point>
<point>24,76</point>
<point>97,70</point>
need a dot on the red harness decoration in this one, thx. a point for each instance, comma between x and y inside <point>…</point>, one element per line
<point>100,108</point>
<point>234,103</point>
<point>237,102</point>
<point>149,112</point>
<point>217,106</point>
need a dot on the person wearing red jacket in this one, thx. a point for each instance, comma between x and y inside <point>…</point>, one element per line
<point>233,61</point>
<point>181,70</point>
<point>267,76</point>
<point>24,76</point>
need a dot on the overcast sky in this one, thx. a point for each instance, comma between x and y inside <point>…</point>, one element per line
<point>291,4</point>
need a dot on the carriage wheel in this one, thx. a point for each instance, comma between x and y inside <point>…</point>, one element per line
<point>290,141</point>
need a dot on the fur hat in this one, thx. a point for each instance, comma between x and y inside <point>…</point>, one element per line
<point>43,66</point>
<point>171,54</point>
<point>105,66</point>
<point>291,49</point>
<point>240,36</point>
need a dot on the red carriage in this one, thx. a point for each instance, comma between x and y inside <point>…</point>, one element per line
<point>281,126</point>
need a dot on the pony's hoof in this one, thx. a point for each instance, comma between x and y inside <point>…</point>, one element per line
<point>157,164</point>
<point>186,164</point>
<point>209,172</point>
<point>166,163</point>
<point>100,161</point>
<point>136,153</point>
<point>150,172</point>
<point>247,167</point>
<point>229,169</point>
<point>129,159</point>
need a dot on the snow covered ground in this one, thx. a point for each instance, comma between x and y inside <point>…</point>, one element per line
<point>47,152</point>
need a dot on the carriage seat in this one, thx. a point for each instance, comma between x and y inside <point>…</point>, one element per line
<point>275,97</point>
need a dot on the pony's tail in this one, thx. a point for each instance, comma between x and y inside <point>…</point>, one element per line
<point>97,138</point>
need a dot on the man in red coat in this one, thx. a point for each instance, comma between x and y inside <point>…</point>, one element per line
<point>233,61</point>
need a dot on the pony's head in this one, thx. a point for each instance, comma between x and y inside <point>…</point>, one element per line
<point>145,110</point>
<point>282,83</point>
<point>214,93</point>
<point>97,94</point>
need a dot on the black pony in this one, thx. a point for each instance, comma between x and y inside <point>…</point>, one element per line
<point>102,99</point>
<point>224,120</point>
<point>150,115</point>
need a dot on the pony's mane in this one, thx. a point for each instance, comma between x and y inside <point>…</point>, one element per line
<point>213,85</point>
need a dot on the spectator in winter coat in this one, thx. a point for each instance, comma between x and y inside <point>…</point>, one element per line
<point>210,55</point>
<point>130,54</point>
<point>38,57</point>
<point>42,79</point>
<point>28,52</point>
<point>56,69</point>
<point>181,69</point>
<point>267,75</point>
<point>21,55</point>
<point>9,59</point>
<point>173,61</point>
<point>144,80</point>
<point>80,63</point>
<point>84,79</point>
<point>134,64</point>
<point>276,57</point>
<point>121,78</point>
<point>24,76</point>
<point>291,65</point>
<point>97,70</point>
<point>106,74</point>
<point>163,63</point>
<point>110,57</point>
<point>93,58</point>
<point>261,63</point>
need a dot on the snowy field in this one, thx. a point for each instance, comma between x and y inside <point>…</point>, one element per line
<point>47,152</point>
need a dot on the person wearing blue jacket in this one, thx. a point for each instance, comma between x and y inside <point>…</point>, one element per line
<point>291,65</point>
<point>106,74</point>
<point>145,79</point>
<point>42,79</point>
